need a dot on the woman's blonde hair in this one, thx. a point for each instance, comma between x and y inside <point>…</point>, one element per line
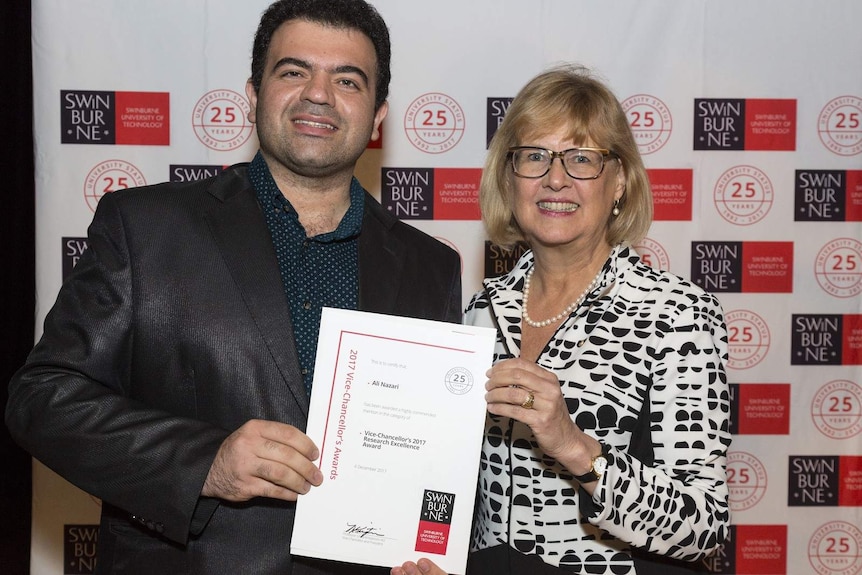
<point>570,96</point>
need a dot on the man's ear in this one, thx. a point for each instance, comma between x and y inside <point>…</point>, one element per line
<point>378,119</point>
<point>251,94</point>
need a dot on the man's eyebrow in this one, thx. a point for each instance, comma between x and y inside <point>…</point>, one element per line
<point>288,61</point>
<point>344,69</point>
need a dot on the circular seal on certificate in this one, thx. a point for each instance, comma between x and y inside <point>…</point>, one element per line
<point>459,380</point>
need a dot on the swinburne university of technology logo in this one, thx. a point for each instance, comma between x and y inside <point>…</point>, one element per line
<point>496,111</point>
<point>79,549</point>
<point>121,118</point>
<point>744,124</point>
<point>431,193</point>
<point>193,172</point>
<point>748,267</point>
<point>828,196</point>
<point>671,193</point>
<point>825,481</point>
<point>435,519</point>
<point>499,261</point>
<point>760,408</point>
<point>826,339</point>
<point>73,249</point>
<point>751,549</point>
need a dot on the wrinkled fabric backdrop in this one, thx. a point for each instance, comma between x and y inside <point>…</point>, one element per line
<point>748,116</point>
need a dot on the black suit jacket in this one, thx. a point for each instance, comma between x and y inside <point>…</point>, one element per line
<point>171,332</point>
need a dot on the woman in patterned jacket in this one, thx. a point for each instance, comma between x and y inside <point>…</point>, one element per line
<point>589,335</point>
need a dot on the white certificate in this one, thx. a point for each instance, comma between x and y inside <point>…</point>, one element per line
<point>398,412</point>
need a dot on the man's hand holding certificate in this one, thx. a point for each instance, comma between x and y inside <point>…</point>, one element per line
<point>398,411</point>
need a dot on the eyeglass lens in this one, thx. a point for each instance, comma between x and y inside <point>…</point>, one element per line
<point>536,162</point>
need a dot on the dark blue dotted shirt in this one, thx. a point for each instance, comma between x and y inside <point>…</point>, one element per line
<point>316,272</point>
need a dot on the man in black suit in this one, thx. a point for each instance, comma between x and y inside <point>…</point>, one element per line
<point>172,377</point>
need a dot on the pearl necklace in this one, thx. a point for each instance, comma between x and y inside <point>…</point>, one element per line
<point>565,313</point>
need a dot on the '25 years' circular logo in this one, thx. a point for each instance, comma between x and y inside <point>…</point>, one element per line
<point>459,380</point>
<point>434,123</point>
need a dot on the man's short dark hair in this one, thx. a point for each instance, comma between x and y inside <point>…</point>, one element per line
<point>351,14</point>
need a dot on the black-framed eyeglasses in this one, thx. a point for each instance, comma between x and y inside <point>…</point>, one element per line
<point>579,163</point>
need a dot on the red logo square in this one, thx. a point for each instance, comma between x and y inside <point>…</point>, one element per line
<point>764,409</point>
<point>767,267</point>
<point>770,125</point>
<point>143,118</point>
<point>432,537</point>
<point>853,196</point>
<point>761,549</point>
<point>456,193</point>
<point>671,194</point>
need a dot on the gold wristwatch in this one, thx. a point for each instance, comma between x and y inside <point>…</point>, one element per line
<point>598,467</point>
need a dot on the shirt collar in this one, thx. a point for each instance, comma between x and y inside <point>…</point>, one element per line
<point>269,195</point>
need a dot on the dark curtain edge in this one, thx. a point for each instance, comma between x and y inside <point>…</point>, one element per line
<point>18,287</point>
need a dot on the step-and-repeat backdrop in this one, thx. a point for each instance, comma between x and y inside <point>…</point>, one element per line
<point>749,117</point>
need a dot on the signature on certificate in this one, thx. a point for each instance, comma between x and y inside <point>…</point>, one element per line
<point>362,531</point>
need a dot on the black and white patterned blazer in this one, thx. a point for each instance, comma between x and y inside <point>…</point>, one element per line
<point>640,327</point>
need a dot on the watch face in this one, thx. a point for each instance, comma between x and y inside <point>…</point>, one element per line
<point>600,464</point>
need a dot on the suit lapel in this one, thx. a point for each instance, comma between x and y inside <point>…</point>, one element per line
<point>243,239</point>
<point>380,260</point>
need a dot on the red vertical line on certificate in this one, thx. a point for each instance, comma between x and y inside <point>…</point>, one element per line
<point>331,395</point>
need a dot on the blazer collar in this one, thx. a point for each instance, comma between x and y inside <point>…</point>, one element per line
<point>241,234</point>
<point>381,256</point>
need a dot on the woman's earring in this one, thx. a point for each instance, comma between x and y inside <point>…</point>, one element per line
<point>616,210</point>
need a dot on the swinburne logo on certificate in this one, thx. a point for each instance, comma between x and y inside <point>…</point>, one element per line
<point>435,519</point>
